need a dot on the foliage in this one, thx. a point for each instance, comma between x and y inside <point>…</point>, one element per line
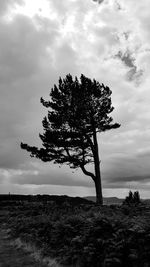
<point>77,111</point>
<point>133,198</point>
<point>83,234</point>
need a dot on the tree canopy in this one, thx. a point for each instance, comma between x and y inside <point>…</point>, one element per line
<point>77,111</point>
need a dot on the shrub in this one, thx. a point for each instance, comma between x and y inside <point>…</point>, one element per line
<point>132,198</point>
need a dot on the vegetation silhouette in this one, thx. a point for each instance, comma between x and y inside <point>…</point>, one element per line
<point>78,111</point>
<point>132,198</point>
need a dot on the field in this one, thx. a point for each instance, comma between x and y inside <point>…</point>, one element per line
<point>76,232</point>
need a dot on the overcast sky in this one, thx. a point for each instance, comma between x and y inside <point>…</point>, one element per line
<point>41,40</point>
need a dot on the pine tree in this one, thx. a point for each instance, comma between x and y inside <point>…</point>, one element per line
<point>136,197</point>
<point>132,198</point>
<point>78,111</point>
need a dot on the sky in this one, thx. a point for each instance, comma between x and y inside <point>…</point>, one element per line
<point>41,40</point>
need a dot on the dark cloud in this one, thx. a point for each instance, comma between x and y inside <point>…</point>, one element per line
<point>129,179</point>
<point>126,58</point>
<point>99,1</point>
<point>135,75</point>
<point>119,7</point>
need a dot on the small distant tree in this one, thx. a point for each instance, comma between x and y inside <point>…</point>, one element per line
<point>132,198</point>
<point>78,111</point>
<point>136,197</point>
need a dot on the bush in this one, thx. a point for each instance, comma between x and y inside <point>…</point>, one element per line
<point>132,198</point>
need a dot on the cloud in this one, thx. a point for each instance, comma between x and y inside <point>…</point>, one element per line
<point>107,41</point>
<point>22,56</point>
<point>46,174</point>
<point>127,180</point>
<point>99,1</point>
<point>7,5</point>
<point>53,179</point>
<point>23,49</point>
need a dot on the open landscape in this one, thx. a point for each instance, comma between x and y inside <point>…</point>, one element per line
<point>66,231</point>
<point>74,133</point>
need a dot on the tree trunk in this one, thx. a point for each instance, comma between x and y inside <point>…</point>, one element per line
<point>98,186</point>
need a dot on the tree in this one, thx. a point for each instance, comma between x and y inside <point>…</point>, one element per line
<point>78,111</point>
<point>132,198</point>
<point>136,197</point>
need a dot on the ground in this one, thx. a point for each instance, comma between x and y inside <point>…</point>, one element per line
<point>73,232</point>
<point>13,256</point>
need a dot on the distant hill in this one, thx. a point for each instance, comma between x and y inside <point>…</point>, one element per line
<point>58,199</point>
<point>114,200</point>
<point>107,200</point>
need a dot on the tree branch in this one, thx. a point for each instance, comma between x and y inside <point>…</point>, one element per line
<point>90,142</point>
<point>72,159</point>
<point>81,166</point>
<point>87,172</point>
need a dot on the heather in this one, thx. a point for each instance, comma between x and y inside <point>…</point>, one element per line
<point>77,232</point>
